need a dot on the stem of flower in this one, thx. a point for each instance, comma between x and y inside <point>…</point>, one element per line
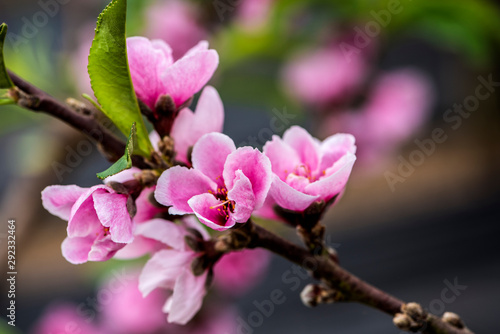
<point>353,288</point>
<point>37,100</point>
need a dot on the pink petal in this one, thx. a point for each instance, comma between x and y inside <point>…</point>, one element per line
<point>188,75</point>
<point>111,208</point>
<point>163,231</point>
<point>209,211</point>
<point>335,180</point>
<point>124,176</point>
<point>289,198</point>
<point>58,200</point>
<point>162,270</point>
<point>210,153</point>
<point>83,219</point>
<point>104,249</point>
<point>334,147</point>
<point>188,127</point>
<point>243,196</point>
<point>255,166</point>
<point>76,250</point>
<point>139,247</point>
<point>304,144</point>
<point>187,297</point>
<point>178,184</point>
<point>201,46</point>
<point>147,60</point>
<point>284,158</point>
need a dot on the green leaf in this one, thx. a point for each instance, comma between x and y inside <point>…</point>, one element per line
<point>5,81</point>
<point>125,162</point>
<point>110,75</point>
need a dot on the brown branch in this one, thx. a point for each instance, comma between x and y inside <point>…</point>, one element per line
<point>39,101</point>
<point>326,270</point>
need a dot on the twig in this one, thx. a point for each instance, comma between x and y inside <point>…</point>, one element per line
<point>355,289</point>
<point>39,101</point>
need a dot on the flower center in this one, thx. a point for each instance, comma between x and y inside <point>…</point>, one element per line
<point>226,206</point>
<point>303,170</point>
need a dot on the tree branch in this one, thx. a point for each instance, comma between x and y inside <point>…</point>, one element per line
<point>355,289</point>
<point>39,101</point>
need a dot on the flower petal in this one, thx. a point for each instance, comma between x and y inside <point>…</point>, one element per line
<point>289,198</point>
<point>304,144</point>
<point>147,60</point>
<point>178,184</point>
<point>58,200</point>
<point>139,247</point>
<point>188,75</point>
<point>210,153</point>
<point>284,158</point>
<point>334,147</point>
<point>162,270</point>
<point>255,166</point>
<point>104,249</point>
<point>187,297</point>
<point>209,211</point>
<point>335,180</point>
<point>188,127</point>
<point>76,250</point>
<point>243,196</point>
<point>111,208</point>
<point>163,231</point>
<point>83,219</point>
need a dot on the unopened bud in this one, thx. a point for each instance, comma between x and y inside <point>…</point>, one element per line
<point>402,321</point>
<point>453,319</point>
<point>310,295</point>
<point>414,310</point>
<point>166,146</point>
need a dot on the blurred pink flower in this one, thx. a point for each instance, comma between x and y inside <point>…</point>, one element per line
<point>170,269</point>
<point>238,272</point>
<point>253,14</point>
<point>63,319</point>
<point>99,223</point>
<point>217,319</point>
<point>396,108</point>
<point>188,127</point>
<point>154,72</point>
<point>128,312</point>
<point>224,186</point>
<point>176,23</point>
<point>325,76</point>
<point>307,170</point>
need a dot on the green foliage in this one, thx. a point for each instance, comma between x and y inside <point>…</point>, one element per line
<point>110,75</point>
<point>125,162</point>
<point>5,81</point>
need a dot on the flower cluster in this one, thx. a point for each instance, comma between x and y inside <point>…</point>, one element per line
<point>208,181</point>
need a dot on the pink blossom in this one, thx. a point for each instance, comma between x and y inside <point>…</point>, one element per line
<point>146,211</point>
<point>224,186</point>
<point>188,127</point>
<point>238,272</point>
<point>127,311</point>
<point>63,319</point>
<point>396,108</point>
<point>253,14</point>
<point>99,223</point>
<point>307,170</point>
<point>175,22</point>
<point>324,76</point>
<point>170,268</point>
<point>154,72</point>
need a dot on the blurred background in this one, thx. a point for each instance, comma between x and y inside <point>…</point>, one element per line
<point>415,81</point>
